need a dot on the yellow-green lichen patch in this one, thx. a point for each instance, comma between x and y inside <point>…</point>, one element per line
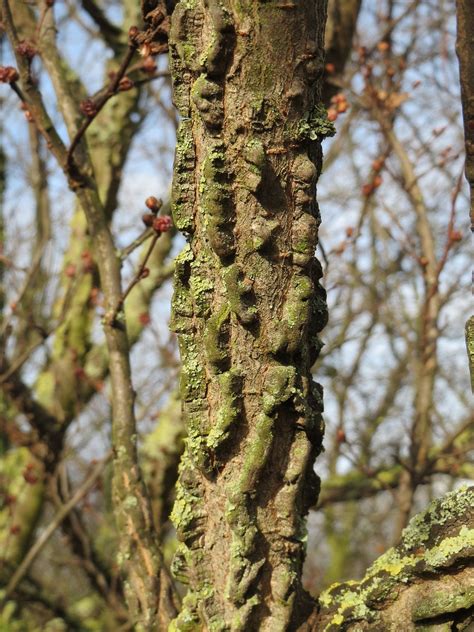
<point>193,378</point>
<point>450,547</point>
<point>279,386</point>
<point>315,125</point>
<point>22,480</point>
<point>215,338</point>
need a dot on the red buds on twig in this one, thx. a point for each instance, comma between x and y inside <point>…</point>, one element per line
<point>88,107</point>
<point>26,49</point>
<point>162,224</point>
<point>8,74</point>
<point>125,84</point>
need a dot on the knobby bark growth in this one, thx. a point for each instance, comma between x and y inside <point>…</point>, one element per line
<point>247,305</point>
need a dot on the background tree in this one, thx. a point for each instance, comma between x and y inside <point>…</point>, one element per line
<point>393,286</point>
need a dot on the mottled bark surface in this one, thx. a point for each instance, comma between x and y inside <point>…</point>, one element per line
<point>247,305</point>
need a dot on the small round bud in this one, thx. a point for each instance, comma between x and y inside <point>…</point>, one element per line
<point>153,203</point>
<point>377,164</point>
<point>70,270</point>
<point>149,65</point>
<point>133,33</point>
<point>144,273</point>
<point>26,49</point>
<point>88,107</point>
<point>125,84</point>
<point>144,318</point>
<point>148,219</point>
<point>367,189</point>
<point>8,74</point>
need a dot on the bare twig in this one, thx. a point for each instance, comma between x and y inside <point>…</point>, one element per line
<point>136,243</point>
<point>99,104</point>
<point>142,273</point>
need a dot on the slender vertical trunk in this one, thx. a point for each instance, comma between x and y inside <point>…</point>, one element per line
<point>247,305</point>
<point>465,52</point>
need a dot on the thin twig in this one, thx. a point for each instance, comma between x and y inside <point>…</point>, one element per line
<point>136,279</point>
<point>111,90</point>
<point>136,243</point>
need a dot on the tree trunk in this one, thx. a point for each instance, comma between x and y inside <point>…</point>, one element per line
<point>247,305</point>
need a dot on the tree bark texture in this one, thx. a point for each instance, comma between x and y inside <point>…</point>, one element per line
<point>247,305</point>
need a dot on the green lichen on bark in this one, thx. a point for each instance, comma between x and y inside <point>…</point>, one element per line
<point>247,306</point>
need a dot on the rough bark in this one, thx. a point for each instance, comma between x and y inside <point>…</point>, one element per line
<point>247,305</point>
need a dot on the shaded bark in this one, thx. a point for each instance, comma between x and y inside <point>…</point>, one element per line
<point>247,305</point>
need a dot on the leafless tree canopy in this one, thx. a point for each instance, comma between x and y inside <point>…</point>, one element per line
<point>162,459</point>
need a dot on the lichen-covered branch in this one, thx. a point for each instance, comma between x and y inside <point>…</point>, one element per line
<point>247,305</point>
<point>424,583</point>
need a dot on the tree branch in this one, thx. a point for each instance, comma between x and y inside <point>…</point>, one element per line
<point>426,579</point>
